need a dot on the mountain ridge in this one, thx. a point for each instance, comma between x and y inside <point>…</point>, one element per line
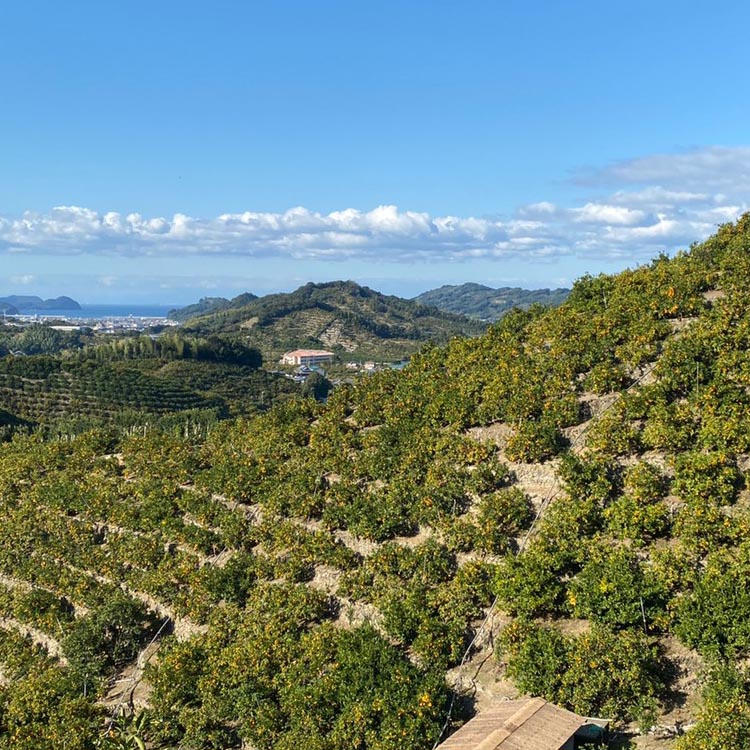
<point>207,305</point>
<point>488,303</point>
<point>353,320</point>
<point>32,303</point>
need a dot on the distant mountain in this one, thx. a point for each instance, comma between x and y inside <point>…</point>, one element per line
<point>27,303</point>
<point>208,305</point>
<point>352,320</point>
<point>486,303</point>
<point>7,308</point>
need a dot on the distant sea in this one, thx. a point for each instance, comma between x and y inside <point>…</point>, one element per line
<point>102,312</point>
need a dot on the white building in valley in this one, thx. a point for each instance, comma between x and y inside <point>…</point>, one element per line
<point>307,357</point>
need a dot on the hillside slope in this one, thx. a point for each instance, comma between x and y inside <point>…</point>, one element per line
<point>210,305</point>
<point>132,380</point>
<point>558,507</point>
<point>352,320</point>
<point>485,303</point>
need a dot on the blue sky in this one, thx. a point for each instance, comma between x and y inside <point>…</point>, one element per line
<point>160,151</point>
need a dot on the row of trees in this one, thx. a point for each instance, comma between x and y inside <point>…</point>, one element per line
<point>249,531</point>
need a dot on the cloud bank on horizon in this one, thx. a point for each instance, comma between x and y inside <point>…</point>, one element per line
<point>645,206</point>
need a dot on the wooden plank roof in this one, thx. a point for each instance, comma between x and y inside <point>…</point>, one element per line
<point>529,724</point>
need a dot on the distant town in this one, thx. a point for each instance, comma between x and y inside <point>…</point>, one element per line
<point>66,314</point>
<point>108,325</point>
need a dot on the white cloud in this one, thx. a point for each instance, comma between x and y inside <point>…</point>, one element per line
<point>542,210</point>
<point>296,233</point>
<point>701,169</point>
<point>657,203</point>
<point>656,197</point>
<point>24,279</point>
<point>601,213</point>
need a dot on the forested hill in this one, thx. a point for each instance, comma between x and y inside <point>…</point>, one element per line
<point>63,382</point>
<point>350,319</point>
<point>16,303</point>
<point>558,507</point>
<point>485,303</point>
<point>210,305</point>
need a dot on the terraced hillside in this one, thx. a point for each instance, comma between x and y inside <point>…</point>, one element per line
<point>352,320</point>
<point>132,381</point>
<point>557,508</point>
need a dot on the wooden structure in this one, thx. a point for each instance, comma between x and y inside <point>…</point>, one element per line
<point>528,724</point>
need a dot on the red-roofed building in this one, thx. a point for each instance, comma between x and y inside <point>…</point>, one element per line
<point>307,357</point>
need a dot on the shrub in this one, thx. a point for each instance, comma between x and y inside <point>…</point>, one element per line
<point>707,476</point>
<point>715,616</point>
<point>606,377</point>
<point>598,673</point>
<point>640,513</point>
<point>109,636</point>
<point>534,441</point>
<point>618,675</point>
<point>615,433</point>
<point>529,585</point>
<point>724,719</point>
<point>501,515</point>
<point>536,656</point>
<point>613,589</point>
<point>590,478</point>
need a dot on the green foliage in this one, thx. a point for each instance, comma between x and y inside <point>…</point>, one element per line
<point>713,617</point>
<point>533,442</point>
<point>614,433</point>
<point>529,585</point>
<point>108,637</point>
<point>352,689</point>
<point>640,513</point>
<point>536,656</point>
<point>209,305</point>
<point>175,346</point>
<point>702,525</point>
<point>705,482</point>
<point>485,303</point>
<point>316,386</point>
<point>42,608</point>
<point>670,427</point>
<point>597,673</point>
<point>706,476</point>
<point>425,603</point>
<point>614,674</point>
<point>606,377</point>
<point>592,478</point>
<point>134,380</point>
<point>381,327</point>
<point>39,339</point>
<point>724,719</point>
<point>500,516</point>
<point>614,589</point>
<point>268,526</point>
<point>565,527</point>
<point>43,711</point>
<point>270,677</point>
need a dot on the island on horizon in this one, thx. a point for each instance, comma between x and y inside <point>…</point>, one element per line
<point>18,303</point>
